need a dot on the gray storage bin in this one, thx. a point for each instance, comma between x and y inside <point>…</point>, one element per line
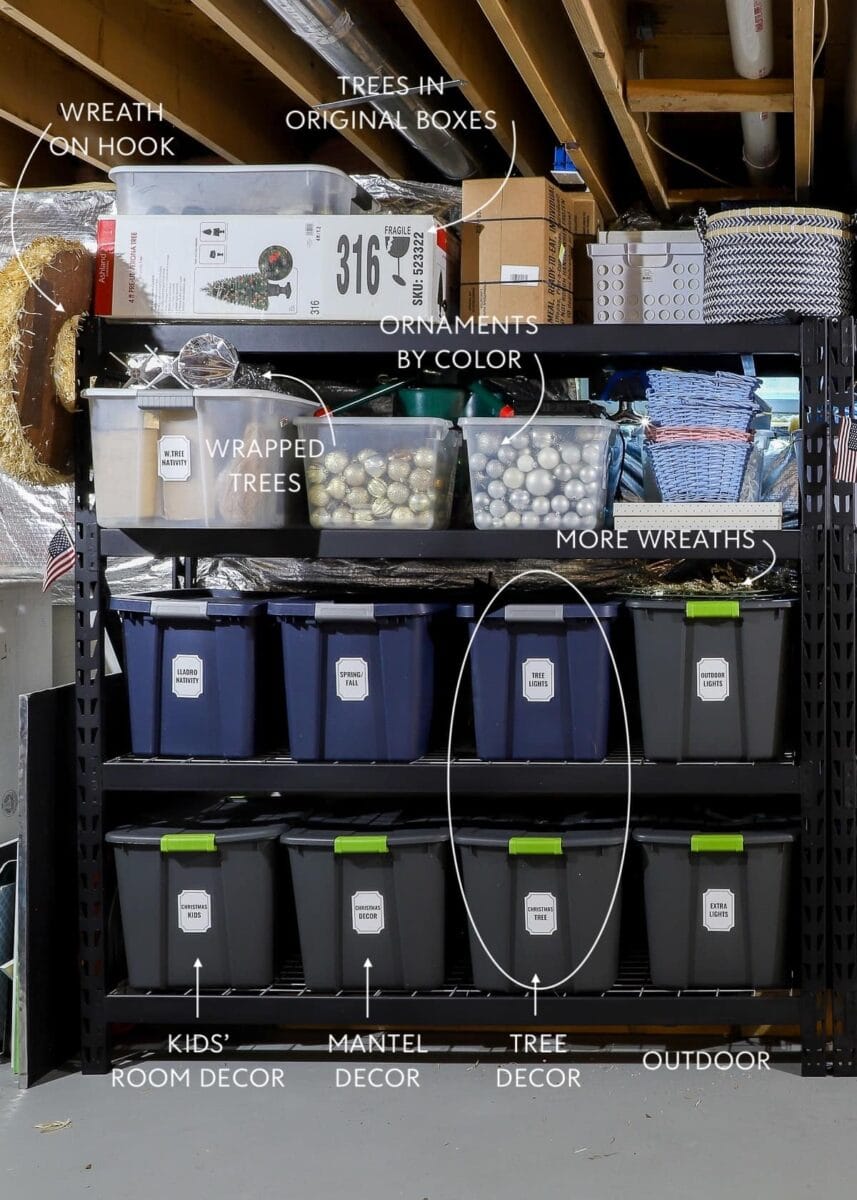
<point>712,677</point>
<point>205,890</point>
<point>370,894</point>
<point>539,900</point>
<point>717,907</point>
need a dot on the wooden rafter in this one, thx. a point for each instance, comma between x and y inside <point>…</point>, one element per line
<point>466,47</point>
<point>139,51</point>
<point>547,56</point>
<point>32,78</point>
<point>602,36</point>
<point>43,170</point>
<point>803,38</point>
<point>258,31</point>
<point>709,95</point>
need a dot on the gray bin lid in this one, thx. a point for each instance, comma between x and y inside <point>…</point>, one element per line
<point>325,839</point>
<point>678,604</point>
<point>231,819</point>
<point>540,614</point>
<point>582,837</point>
<point>128,835</point>
<point>682,837</point>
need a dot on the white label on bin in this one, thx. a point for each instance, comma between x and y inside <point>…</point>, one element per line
<point>718,910</point>
<point>194,912</point>
<point>367,912</point>
<point>187,676</point>
<point>352,678</point>
<point>540,913</point>
<point>174,458</point>
<point>538,680</point>
<point>712,679</point>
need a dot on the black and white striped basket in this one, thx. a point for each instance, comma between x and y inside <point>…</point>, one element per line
<point>777,264</point>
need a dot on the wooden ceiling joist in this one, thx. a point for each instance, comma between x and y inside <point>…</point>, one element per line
<point>31,79</point>
<point>43,170</point>
<point>709,95</point>
<point>267,39</point>
<point>466,47</point>
<point>599,28</point>
<point>803,43</point>
<point>139,51</point>
<point>548,58</point>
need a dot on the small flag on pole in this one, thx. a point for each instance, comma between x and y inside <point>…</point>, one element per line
<point>845,466</point>
<point>60,558</point>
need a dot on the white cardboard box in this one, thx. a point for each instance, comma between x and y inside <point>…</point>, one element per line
<point>700,516</point>
<point>273,268</point>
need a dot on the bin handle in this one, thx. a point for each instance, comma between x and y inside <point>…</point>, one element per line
<point>331,611</point>
<point>359,843</point>
<point>151,398</point>
<point>717,843</point>
<point>189,843</point>
<point>533,614</point>
<point>721,610</point>
<point>179,609</point>
<point>535,845</point>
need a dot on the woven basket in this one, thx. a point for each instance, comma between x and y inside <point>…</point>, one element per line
<point>688,472</point>
<point>776,264</point>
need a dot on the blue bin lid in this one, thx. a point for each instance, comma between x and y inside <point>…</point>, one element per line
<point>189,605</point>
<point>540,614</point>
<point>339,611</point>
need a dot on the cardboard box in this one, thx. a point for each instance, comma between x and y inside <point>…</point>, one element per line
<point>519,250</point>
<point>274,268</point>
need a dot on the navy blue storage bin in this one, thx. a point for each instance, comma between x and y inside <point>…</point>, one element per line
<point>359,679</point>
<point>541,681</point>
<point>191,666</point>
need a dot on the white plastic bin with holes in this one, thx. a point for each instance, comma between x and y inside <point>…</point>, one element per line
<point>651,276</point>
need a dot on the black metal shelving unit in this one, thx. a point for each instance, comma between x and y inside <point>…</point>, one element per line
<point>632,1001</point>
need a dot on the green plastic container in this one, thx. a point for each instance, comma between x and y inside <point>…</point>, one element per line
<point>443,402</point>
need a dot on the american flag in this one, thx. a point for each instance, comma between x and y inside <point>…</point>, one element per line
<point>845,466</point>
<point>60,558</point>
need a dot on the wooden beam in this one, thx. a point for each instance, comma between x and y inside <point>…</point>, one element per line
<point>464,44</point>
<point>33,78</point>
<point>141,52</point>
<point>717,195</point>
<point>803,38</point>
<point>45,169</point>
<point>549,60</point>
<point>267,39</point>
<point>709,95</point>
<point>596,23</point>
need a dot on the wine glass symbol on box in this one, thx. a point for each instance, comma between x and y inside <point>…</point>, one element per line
<point>397,246</point>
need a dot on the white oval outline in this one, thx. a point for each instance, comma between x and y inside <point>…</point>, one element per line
<point>531,986</point>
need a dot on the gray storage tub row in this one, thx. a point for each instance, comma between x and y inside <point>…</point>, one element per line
<point>712,677</point>
<point>370,895</point>
<point>539,901</point>
<point>717,907</point>
<point>200,891</point>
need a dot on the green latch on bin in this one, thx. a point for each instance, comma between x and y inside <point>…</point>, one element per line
<point>188,843</point>
<point>358,843</point>
<point>722,610</point>
<point>717,843</point>
<point>535,845</point>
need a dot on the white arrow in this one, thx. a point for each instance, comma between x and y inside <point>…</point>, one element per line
<point>32,281</point>
<point>469,216</point>
<point>755,578</point>
<point>310,388</point>
<point>367,966</point>
<point>536,981</point>
<point>530,419</point>
<point>197,967</point>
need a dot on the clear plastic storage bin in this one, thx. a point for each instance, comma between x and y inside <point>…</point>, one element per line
<point>216,459</point>
<point>381,472</point>
<point>252,190</point>
<point>558,473</point>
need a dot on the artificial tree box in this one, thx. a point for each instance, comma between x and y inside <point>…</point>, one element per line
<point>274,268</point>
<point>519,250</point>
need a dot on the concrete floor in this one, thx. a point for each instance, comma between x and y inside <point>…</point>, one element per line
<point>624,1131</point>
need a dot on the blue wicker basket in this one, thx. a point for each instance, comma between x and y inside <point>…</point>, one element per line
<point>695,471</point>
